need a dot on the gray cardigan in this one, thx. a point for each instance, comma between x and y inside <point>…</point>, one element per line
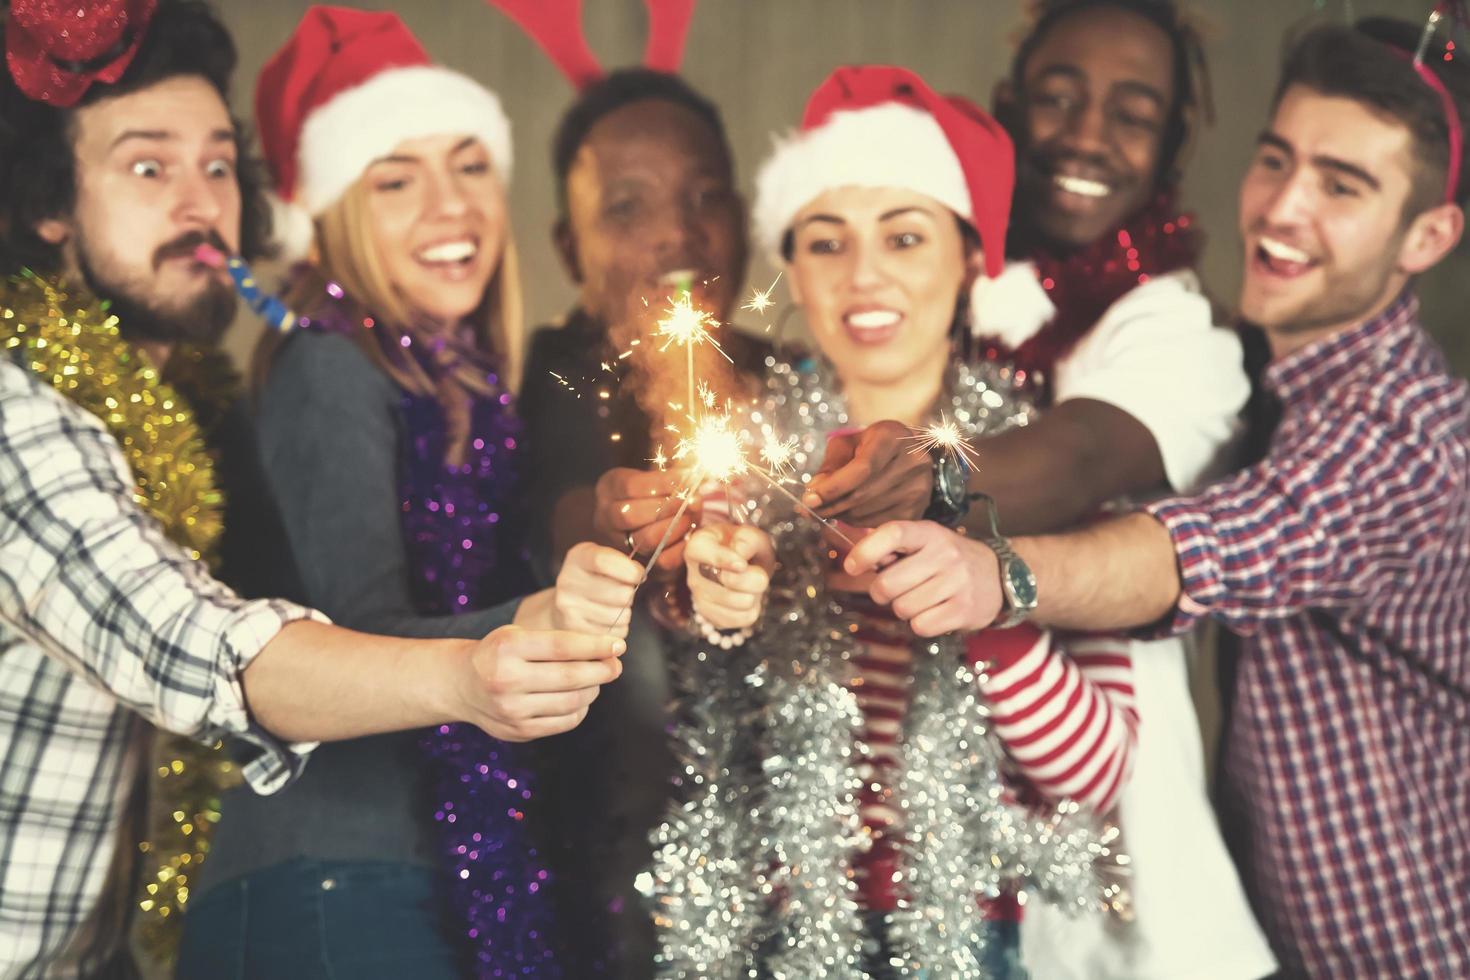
<point>330,425</point>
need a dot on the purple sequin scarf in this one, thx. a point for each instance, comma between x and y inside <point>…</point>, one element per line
<point>462,541</point>
<point>463,535</point>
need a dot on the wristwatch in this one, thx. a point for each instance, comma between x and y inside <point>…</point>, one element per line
<point>1017,584</point>
<point>949,501</point>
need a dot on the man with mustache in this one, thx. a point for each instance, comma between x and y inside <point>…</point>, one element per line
<point>1342,559</point>
<point>118,156</point>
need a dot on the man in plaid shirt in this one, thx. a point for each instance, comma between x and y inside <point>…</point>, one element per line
<point>1342,559</point>
<point>104,623</point>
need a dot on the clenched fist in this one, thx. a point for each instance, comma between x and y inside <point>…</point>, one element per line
<point>729,571</point>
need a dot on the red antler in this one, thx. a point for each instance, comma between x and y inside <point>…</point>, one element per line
<point>556,25</point>
<point>668,27</point>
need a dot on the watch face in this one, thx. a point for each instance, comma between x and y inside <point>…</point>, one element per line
<point>951,482</point>
<point>1022,583</point>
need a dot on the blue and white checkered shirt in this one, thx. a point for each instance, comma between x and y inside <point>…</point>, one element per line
<point>102,620</point>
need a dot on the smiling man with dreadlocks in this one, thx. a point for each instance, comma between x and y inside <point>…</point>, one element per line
<point>1140,392</point>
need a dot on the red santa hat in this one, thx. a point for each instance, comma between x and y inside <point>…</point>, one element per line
<point>881,126</point>
<point>347,87</point>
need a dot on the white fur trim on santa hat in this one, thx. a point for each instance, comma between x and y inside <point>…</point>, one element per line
<point>362,124</point>
<point>888,145</point>
<point>1012,307</point>
<point>291,228</point>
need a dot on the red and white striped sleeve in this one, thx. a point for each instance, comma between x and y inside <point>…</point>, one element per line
<point>1063,706</point>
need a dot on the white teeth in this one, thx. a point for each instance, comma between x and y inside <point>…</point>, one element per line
<point>1082,186</point>
<point>872,319</point>
<point>1284,252</point>
<point>448,251</point>
<point>678,277</point>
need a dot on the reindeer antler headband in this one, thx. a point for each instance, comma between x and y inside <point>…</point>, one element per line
<point>556,26</point>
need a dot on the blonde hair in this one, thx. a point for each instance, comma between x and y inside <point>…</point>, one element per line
<point>345,253</point>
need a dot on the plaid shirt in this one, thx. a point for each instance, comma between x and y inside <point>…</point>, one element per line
<point>1343,560</point>
<point>100,617</point>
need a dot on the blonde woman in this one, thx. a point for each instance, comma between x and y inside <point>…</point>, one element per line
<point>390,439</point>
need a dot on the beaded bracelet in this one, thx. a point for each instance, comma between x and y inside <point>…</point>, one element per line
<point>724,639</point>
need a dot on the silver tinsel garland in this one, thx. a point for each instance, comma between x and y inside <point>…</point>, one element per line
<point>753,869</point>
<point>701,879</point>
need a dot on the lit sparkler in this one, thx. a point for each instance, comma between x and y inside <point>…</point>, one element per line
<point>778,455</point>
<point>760,299</point>
<point>689,326</point>
<point>713,450</point>
<point>945,436</point>
<point>716,452</point>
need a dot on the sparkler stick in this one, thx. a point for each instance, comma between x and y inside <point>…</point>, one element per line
<point>686,324</point>
<point>663,543</point>
<point>686,291</point>
<point>775,485</point>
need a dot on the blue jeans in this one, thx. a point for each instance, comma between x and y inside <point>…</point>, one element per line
<point>321,920</point>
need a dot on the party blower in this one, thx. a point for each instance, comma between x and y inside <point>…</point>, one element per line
<point>266,305</point>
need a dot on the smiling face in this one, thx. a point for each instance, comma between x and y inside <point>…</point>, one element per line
<point>1322,215</point>
<point>878,272</point>
<point>1096,95</point>
<point>436,211</point>
<point>651,202</point>
<point>155,177</point>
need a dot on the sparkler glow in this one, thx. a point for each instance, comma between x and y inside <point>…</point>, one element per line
<point>706,395</point>
<point>713,450</point>
<point>778,455</point>
<point>716,452</point>
<point>945,436</point>
<point>685,496</point>
<point>688,325</point>
<point>760,299</point>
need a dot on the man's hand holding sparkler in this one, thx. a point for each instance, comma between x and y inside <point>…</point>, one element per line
<point>729,571</point>
<point>872,476</point>
<point>635,509</point>
<point>937,580</point>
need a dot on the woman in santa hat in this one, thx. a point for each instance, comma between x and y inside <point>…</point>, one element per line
<point>389,435</point>
<point>862,207</point>
<point>852,810</point>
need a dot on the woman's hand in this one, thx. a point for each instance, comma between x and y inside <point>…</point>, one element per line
<point>729,571</point>
<point>594,592</point>
<point>633,510</point>
<point>872,476</point>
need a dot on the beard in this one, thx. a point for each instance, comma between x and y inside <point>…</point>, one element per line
<point>201,320</point>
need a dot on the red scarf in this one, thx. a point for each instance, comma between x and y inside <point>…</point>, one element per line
<point>1082,285</point>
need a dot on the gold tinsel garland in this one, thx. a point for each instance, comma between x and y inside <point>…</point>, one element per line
<point>72,343</point>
